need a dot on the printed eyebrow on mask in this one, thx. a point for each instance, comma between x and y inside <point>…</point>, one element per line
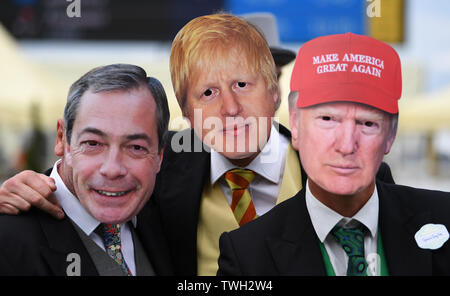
<point>139,136</point>
<point>131,137</point>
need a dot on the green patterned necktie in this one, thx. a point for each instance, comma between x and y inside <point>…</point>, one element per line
<point>352,241</point>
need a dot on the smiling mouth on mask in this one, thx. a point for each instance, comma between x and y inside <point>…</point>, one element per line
<point>112,193</point>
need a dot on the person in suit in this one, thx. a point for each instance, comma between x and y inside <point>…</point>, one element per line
<point>111,143</point>
<point>224,79</point>
<point>343,116</point>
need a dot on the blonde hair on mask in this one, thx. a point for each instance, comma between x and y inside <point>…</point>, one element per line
<point>207,42</point>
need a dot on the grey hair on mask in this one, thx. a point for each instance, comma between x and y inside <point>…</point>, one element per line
<point>117,77</point>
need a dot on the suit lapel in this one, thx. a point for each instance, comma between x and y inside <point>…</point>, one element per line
<point>62,242</point>
<point>398,225</point>
<point>153,240</point>
<point>181,187</point>
<point>296,251</point>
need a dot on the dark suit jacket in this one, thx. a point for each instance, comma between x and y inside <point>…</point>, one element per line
<point>35,243</point>
<point>178,193</point>
<point>283,242</point>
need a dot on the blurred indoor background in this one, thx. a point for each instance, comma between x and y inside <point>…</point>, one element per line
<point>45,45</point>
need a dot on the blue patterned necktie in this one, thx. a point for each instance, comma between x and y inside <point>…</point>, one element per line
<point>352,241</point>
<point>111,239</point>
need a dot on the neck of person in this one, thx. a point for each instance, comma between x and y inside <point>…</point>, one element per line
<point>243,162</point>
<point>345,205</point>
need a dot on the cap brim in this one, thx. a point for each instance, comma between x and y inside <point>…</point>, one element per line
<point>282,56</point>
<point>348,93</point>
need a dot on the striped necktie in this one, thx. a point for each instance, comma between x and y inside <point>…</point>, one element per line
<point>241,204</point>
<point>111,239</point>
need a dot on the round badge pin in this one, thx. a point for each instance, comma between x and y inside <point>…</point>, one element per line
<point>431,236</point>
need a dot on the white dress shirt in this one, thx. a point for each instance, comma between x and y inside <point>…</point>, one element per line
<point>269,169</point>
<point>78,214</point>
<point>324,219</point>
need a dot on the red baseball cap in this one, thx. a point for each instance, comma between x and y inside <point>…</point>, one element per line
<point>348,67</point>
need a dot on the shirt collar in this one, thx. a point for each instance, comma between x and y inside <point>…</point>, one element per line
<point>325,219</point>
<point>267,164</point>
<point>72,206</point>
